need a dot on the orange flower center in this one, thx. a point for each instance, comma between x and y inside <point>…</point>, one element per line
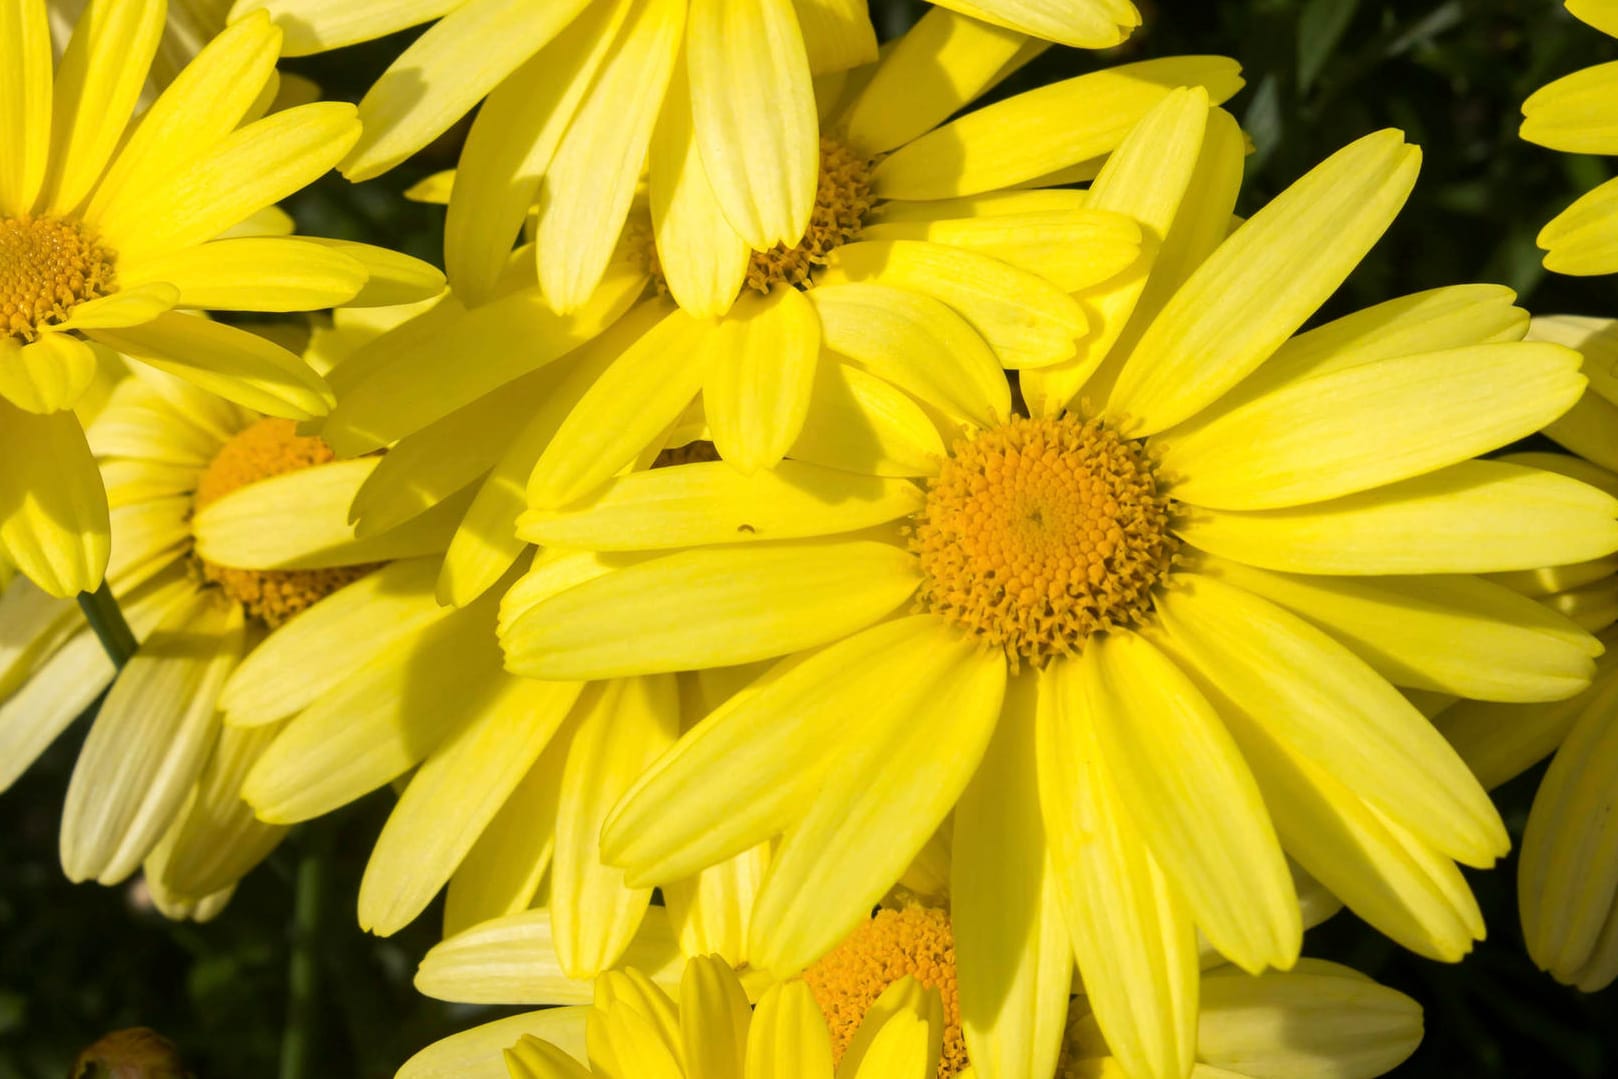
<point>916,941</point>
<point>268,448</point>
<point>842,199</point>
<point>48,266</point>
<point>1037,534</point>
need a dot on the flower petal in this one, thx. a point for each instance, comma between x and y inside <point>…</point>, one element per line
<point>49,375</point>
<point>54,522</point>
<point>1085,24</point>
<point>25,104</point>
<point>252,274</point>
<point>788,1038</point>
<point>1583,238</point>
<point>478,1053</point>
<point>860,423</point>
<point>1575,113</point>
<point>1474,517</point>
<point>1264,281</point>
<point>758,376</point>
<point>710,607</point>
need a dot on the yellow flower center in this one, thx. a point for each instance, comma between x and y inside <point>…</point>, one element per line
<point>268,448</point>
<point>842,199</point>
<point>48,266</point>
<point>1036,534</point>
<point>916,941</point>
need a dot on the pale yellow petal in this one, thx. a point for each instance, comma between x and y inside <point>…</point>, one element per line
<point>753,115</point>
<point>317,25</point>
<point>1583,238</point>
<point>477,1053</point>
<point>1042,130</point>
<point>1474,517</point>
<point>445,71</point>
<point>453,795</point>
<point>252,274</point>
<point>25,103</point>
<point>1132,934</point>
<point>149,742</point>
<point>1084,24</point>
<point>710,607</point>
<point>861,423</point>
<point>127,307</point>
<point>590,182</point>
<point>1263,282</point>
<point>1576,113</point>
<point>714,1017</point>
<point>218,840</point>
<point>883,794</point>
<point>758,376</point>
<point>54,521</point>
<point>49,375</point>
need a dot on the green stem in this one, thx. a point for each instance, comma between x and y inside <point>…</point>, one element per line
<point>298,1040</point>
<point>101,610</point>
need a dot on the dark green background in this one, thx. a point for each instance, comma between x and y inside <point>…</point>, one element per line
<point>77,961</point>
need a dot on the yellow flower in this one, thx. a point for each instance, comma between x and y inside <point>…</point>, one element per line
<point>109,226</point>
<point>1320,1019</point>
<point>1578,113</point>
<point>1155,627</point>
<point>1567,877</point>
<point>157,780</point>
<point>931,252</point>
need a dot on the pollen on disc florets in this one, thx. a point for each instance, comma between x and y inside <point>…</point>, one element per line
<point>1039,533</point>
<point>48,266</point>
<point>268,448</point>
<point>917,941</point>
<point>842,199</point>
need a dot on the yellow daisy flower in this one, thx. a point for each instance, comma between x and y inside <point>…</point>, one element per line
<point>1319,1019</point>
<point>1224,558</point>
<point>157,779</point>
<point>1578,113</point>
<point>950,260</point>
<point>1567,877</point>
<point>109,226</point>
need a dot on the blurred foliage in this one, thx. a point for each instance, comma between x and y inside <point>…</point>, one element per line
<point>79,961</point>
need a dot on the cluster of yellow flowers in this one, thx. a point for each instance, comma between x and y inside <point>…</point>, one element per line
<point>807,493</point>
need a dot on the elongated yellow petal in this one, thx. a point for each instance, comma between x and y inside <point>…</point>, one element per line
<point>188,120</point>
<point>252,274</point>
<point>1026,320</point>
<point>513,960</point>
<point>1132,934</point>
<point>901,1036</point>
<point>1446,633</point>
<point>315,26</point>
<point>1568,877</point>
<point>218,840</point>
<point>713,910</point>
<point>1340,715</point>
<point>478,1053</point>
<point>25,103</point>
<point>66,683</point>
<point>711,502</point>
<point>1085,24</point>
<point>883,795</point>
<point>704,259</point>
<point>1262,283</point>
<point>775,740</point>
<point>714,1017</point>
<point>510,144</point>
<point>940,65</point>
<point>127,307</point>
<point>1207,826</point>
<point>710,607</point>
<point>1597,13</point>
<point>49,375</point>
<point>1433,321</point>
<point>1072,250</point>
<point>502,872</point>
<point>531,1058</point>
<point>1013,958</point>
<point>758,377</point>
<point>1582,239</point>
<point>624,726</point>
<point>321,645</point>
<point>1474,517</point>
<point>1575,113</point>
<point>459,358</point>
<point>1042,130</point>
<point>54,523</point>
<point>788,1038</point>
<point>633,401</point>
<point>453,795</point>
<point>1370,425</point>
<point>149,742</point>
<point>444,72</point>
<point>239,366</point>
<point>753,113</point>
<point>97,84</point>
<point>1338,1022</point>
<point>859,422</point>
<point>591,181</point>
<point>916,343</point>
<point>251,168</point>
<point>837,34</point>
<point>392,278</point>
<point>387,716</point>
<point>1175,173</point>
